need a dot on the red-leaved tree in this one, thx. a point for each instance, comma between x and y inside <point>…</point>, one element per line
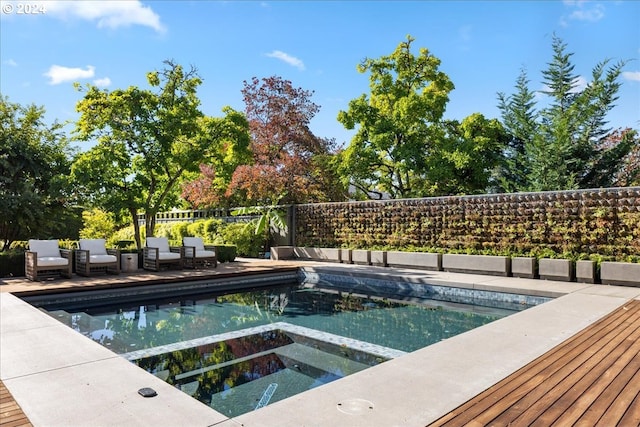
<point>290,164</point>
<point>627,172</point>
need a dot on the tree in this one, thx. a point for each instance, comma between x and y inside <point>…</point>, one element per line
<point>628,172</point>
<point>35,161</point>
<point>288,159</point>
<point>98,224</point>
<point>520,119</point>
<point>559,147</point>
<point>146,142</point>
<point>465,160</point>
<point>399,124</point>
<point>208,187</point>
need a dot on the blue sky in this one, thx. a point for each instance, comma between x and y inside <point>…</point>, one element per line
<point>317,45</point>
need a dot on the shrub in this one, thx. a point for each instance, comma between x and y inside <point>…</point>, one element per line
<point>241,236</point>
<point>97,224</point>
<point>12,263</point>
<point>226,253</point>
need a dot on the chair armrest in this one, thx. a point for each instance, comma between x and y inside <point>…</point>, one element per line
<point>113,251</point>
<point>210,248</point>
<point>177,249</point>
<point>82,255</point>
<point>31,257</point>
<point>148,252</point>
<point>189,251</point>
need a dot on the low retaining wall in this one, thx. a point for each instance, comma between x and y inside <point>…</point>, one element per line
<point>429,261</point>
<point>620,273</point>
<point>611,273</point>
<point>481,264</point>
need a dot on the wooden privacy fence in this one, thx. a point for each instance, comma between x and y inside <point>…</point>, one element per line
<point>599,221</point>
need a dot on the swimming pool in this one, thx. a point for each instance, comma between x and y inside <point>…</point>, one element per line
<point>240,351</point>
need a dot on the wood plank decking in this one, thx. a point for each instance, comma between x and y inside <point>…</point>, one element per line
<point>592,379</point>
<point>11,414</point>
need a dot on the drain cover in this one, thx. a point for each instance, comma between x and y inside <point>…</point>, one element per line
<point>355,406</point>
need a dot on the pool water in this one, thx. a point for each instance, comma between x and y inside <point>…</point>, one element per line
<point>240,351</point>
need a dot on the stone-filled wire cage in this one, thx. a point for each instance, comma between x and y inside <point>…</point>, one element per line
<point>600,221</point>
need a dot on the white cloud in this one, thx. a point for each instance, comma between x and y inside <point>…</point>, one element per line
<point>584,11</point>
<point>631,75</point>
<point>103,82</point>
<point>58,74</point>
<point>291,60</point>
<point>107,13</point>
<point>11,63</point>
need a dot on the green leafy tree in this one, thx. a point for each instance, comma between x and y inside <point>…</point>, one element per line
<point>146,141</point>
<point>208,187</point>
<point>35,196</point>
<point>560,146</point>
<point>465,160</point>
<point>98,224</point>
<point>398,124</point>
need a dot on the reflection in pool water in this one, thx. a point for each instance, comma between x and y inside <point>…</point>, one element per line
<point>237,369</point>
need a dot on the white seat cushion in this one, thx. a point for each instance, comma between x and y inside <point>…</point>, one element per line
<point>168,255</point>
<point>102,259</point>
<point>162,243</point>
<point>52,261</point>
<point>205,254</point>
<point>94,246</point>
<point>45,248</point>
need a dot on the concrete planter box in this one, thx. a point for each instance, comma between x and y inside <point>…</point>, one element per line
<point>556,269</point>
<point>360,256</point>
<point>525,267</point>
<point>586,272</point>
<point>378,258</point>
<point>426,260</point>
<point>317,254</point>
<point>481,264</point>
<point>282,252</point>
<point>620,273</point>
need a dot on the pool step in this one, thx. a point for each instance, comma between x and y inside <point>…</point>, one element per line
<point>295,354</point>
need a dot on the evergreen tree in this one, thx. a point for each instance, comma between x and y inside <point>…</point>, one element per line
<point>520,121</point>
<point>560,146</point>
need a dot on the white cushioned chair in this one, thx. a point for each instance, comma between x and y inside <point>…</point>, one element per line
<point>197,254</point>
<point>44,259</point>
<point>158,253</point>
<point>93,256</point>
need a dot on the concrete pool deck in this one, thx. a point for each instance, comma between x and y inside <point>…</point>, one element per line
<point>61,378</point>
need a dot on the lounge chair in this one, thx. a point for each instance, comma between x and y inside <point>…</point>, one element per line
<point>157,253</point>
<point>197,254</point>
<point>44,260</point>
<point>93,256</point>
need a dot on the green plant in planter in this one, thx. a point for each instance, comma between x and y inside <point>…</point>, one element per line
<point>268,218</point>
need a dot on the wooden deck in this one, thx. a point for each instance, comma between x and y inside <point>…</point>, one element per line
<point>11,414</point>
<point>592,379</point>
<point>21,286</point>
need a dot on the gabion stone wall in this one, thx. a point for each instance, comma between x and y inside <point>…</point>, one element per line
<point>605,222</point>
